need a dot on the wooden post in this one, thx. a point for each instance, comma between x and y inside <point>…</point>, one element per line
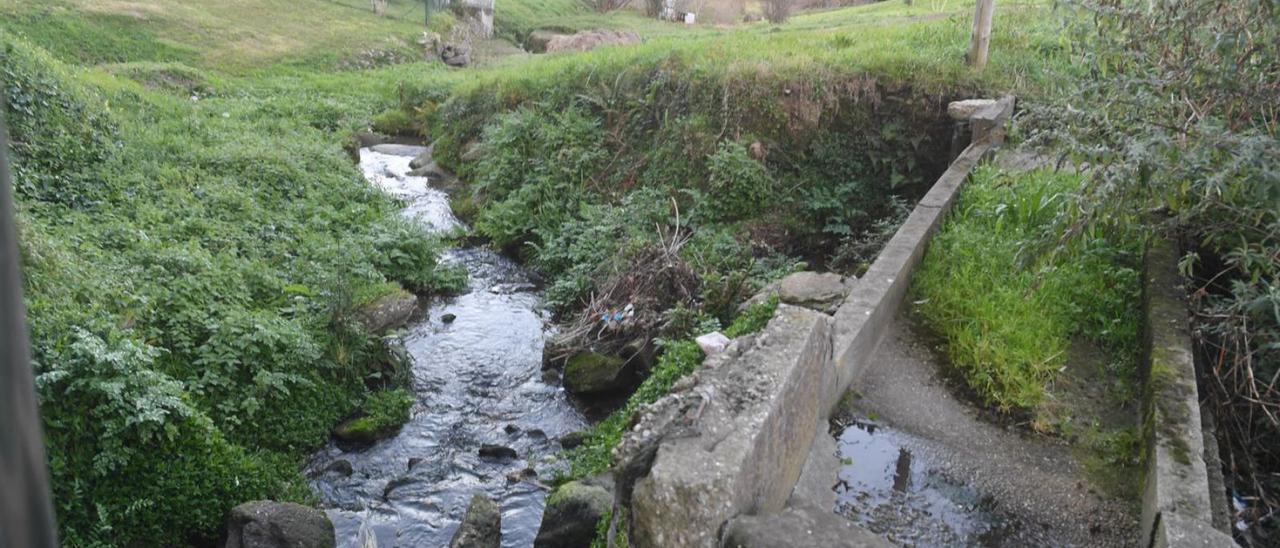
<point>981,33</point>
<point>26,513</point>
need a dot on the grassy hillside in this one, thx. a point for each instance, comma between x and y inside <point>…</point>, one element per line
<point>196,239</point>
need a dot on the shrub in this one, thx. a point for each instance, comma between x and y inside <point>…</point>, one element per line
<point>536,170</point>
<point>139,442</point>
<point>740,186</point>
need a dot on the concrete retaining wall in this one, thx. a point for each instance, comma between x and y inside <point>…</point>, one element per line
<point>718,460</point>
<point>1177,502</point>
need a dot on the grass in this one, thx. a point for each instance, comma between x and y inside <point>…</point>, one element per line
<point>1009,307</point>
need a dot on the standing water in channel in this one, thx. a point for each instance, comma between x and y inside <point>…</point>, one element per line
<point>478,381</point>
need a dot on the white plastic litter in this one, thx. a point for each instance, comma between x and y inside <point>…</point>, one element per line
<point>712,343</point>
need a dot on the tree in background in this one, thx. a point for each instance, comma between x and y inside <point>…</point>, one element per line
<point>777,11</point>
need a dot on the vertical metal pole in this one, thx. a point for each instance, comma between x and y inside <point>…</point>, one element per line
<point>26,515</point>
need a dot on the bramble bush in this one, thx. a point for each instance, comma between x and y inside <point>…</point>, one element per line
<point>1175,113</point>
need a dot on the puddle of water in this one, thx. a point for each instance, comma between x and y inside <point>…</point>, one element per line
<point>894,485</point>
<point>478,380</point>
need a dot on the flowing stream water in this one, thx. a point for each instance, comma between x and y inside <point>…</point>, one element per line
<point>478,380</point>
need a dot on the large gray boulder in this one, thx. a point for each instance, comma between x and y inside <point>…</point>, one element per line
<point>268,524</point>
<point>482,526</point>
<point>388,312</point>
<point>591,373</point>
<point>818,291</point>
<point>571,515</point>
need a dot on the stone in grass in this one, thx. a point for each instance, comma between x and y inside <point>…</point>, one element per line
<point>268,524</point>
<point>712,343</point>
<point>388,312</point>
<point>571,515</point>
<point>481,527</point>
<point>592,373</point>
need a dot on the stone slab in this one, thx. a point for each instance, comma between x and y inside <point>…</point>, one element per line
<point>799,528</point>
<point>752,437</point>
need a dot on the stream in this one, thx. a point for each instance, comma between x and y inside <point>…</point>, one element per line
<point>478,380</point>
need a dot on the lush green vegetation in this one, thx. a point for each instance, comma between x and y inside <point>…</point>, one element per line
<point>193,267</point>
<point>1009,308</point>
<point>196,243</point>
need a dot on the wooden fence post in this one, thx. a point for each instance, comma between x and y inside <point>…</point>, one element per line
<point>981,33</point>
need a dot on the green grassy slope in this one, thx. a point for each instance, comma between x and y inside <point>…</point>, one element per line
<point>195,238</point>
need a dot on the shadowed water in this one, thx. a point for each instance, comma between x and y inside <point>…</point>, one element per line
<point>478,380</point>
<point>895,485</point>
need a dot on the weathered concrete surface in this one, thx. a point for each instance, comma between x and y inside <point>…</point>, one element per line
<point>814,488</point>
<point>871,305</point>
<point>963,110</point>
<point>803,527</point>
<point>1034,479</point>
<point>721,455</point>
<point>749,440</point>
<point>1176,506</point>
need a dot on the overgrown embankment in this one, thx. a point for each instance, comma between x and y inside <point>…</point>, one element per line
<point>192,271</point>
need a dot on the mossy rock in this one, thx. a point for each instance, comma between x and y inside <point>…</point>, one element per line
<point>592,373</point>
<point>571,515</point>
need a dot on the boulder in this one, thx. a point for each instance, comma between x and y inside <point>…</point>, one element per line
<point>590,39</point>
<point>573,439</point>
<point>455,55</point>
<point>359,432</point>
<point>963,110</point>
<point>712,343</point>
<point>571,515</point>
<point>388,312</point>
<point>539,39</point>
<point>268,524</point>
<point>499,452</point>
<point>591,373</point>
<point>818,291</point>
<point>341,467</point>
<point>481,527</point>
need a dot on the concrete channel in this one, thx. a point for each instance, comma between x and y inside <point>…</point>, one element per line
<point>739,453</point>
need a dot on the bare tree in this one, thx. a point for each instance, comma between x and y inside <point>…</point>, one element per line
<point>777,11</point>
<point>379,7</point>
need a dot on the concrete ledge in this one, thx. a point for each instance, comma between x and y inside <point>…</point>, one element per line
<point>754,420</point>
<point>721,457</point>
<point>1177,508</point>
<point>862,319</point>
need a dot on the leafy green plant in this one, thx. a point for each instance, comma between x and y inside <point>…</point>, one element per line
<point>740,186</point>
